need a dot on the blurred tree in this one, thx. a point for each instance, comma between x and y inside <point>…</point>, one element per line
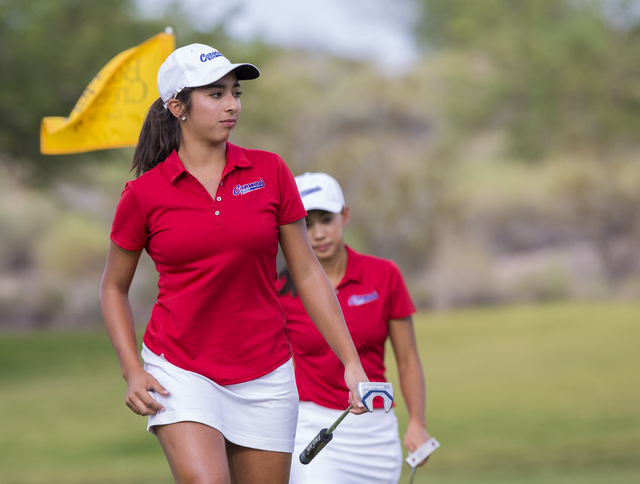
<point>555,74</point>
<point>49,52</point>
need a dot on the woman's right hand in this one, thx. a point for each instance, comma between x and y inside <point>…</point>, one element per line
<point>354,374</point>
<point>118,320</point>
<point>139,384</point>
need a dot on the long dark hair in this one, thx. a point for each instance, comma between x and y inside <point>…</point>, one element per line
<point>289,286</point>
<point>160,134</point>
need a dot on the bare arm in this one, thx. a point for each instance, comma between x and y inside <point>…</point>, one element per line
<point>321,304</point>
<point>403,340</point>
<point>118,320</point>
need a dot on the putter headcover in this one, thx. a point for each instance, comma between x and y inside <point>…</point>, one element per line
<point>367,391</point>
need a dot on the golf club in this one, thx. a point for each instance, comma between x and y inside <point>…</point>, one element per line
<point>367,391</point>
<point>421,453</point>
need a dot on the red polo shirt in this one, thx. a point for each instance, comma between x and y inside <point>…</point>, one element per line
<point>217,312</point>
<point>371,293</point>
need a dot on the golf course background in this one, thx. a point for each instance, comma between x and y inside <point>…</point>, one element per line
<point>521,394</point>
<point>501,173</point>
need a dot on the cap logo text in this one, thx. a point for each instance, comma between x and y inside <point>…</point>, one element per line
<point>309,191</point>
<point>210,56</point>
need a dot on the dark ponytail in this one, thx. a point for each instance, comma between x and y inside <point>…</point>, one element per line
<point>160,134</point>
<point>288,286</point>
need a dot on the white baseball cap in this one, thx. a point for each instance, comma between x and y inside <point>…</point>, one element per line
<point>320,191</point>
<point>197,65</point>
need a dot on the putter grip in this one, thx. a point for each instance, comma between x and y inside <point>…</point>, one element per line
<point>315,446</point>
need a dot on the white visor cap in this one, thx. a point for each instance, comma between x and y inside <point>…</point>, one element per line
<point>320,191</point>
<point>197,65</point>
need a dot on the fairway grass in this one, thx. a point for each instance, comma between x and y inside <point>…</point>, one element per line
<point>523,395</point>
<point>519,394</point>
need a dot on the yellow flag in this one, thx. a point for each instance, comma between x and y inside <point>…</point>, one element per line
<point>110,112</point>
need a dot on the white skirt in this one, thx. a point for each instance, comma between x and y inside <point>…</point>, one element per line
<point>259,414</point>
<point>365,448</point>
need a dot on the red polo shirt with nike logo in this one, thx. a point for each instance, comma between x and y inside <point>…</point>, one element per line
<point>217,312</point>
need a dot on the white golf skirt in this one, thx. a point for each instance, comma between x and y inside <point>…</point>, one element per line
<point>259,414</point>
<point>365,448</point>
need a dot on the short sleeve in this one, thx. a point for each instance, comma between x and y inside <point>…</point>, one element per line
<point>129,230</point>
<point>400,303</point>
<point>291,207</point>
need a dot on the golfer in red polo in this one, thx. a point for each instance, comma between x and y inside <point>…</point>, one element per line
<point>217,382</point>
<point>376,306</point>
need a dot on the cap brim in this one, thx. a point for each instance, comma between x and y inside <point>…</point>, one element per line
<point>244,72</point>
<point>326,206</point>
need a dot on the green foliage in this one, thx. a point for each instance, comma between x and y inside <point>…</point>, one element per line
<point>344,118</point>
<point>421,158</point>
<point>74,246</point>
<point>49,52</point>
<point>554,73</point>
<point>512,232</point>
<point>23,217</point>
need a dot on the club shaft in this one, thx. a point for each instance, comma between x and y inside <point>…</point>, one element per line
<point>413,473</point>
<point>321,440</point>
<point>340,419</point>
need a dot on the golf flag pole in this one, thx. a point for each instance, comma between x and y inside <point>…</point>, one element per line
<point>110,111</point>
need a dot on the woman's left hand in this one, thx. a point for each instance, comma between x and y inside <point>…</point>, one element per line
<point>354,374</point>
<point>416,436</point>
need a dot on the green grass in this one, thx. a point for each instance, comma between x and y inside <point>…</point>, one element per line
<point>523,395</point>
<point>532,394</point>
<point>62,397</point>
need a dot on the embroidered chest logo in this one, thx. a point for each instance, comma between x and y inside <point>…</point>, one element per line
<point>360,299</point>
<point>248,187</point>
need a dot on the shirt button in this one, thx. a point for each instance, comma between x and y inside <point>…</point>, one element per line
<point>221,183</point>
<point>217,212</point>
<point>219,198</point>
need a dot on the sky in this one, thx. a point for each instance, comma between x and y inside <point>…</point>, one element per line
<point>373,30</point>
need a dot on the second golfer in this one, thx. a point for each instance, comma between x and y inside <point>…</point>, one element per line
<point>376,306</point>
